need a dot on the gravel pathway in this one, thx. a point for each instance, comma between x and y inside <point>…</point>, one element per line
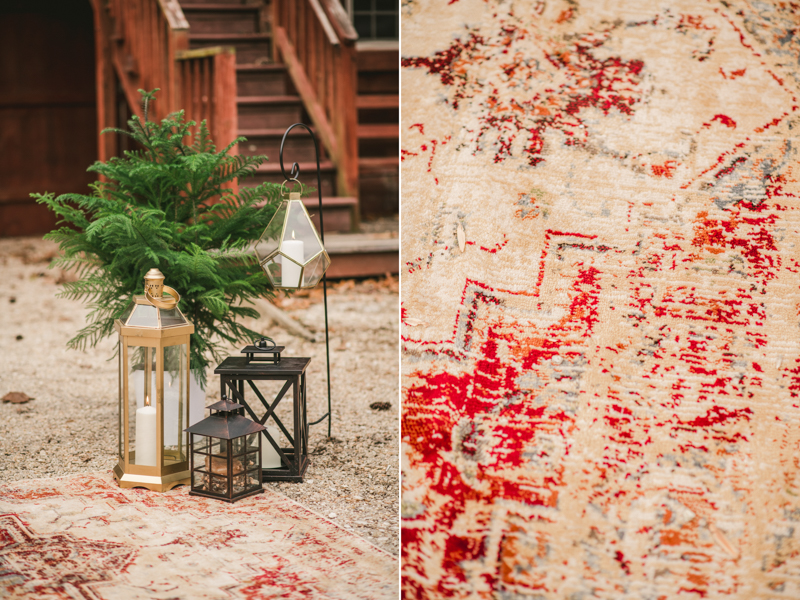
<point>71,425</point>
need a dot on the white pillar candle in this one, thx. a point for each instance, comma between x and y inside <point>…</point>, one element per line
<point>291,272</point>
<point>146,435</point>
<point>197,399</point>
<point>270,459</point>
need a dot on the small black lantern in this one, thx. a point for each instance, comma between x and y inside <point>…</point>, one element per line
<point>225,451</point>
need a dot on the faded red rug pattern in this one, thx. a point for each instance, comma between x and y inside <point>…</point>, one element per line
<point>84,538</point>
<point>601,378</point>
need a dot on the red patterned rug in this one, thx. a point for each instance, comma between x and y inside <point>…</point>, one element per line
<point>82,537</point>
<point>600,299</point>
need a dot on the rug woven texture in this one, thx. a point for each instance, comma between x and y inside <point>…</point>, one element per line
<point>600,299</point>
<point>83,538</point>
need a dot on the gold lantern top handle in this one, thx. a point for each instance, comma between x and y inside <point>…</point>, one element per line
<point>154,289</point>
<point>292,195</point>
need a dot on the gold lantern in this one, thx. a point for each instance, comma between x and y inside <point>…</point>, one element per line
<point>290,250</point>
<point>153,390</point>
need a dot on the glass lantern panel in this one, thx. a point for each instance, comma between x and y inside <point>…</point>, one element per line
<point>283,272</point>
<point>291,269</point>
<point>300,240</point>
<point>219,447</point>
<point>200,481</point>
<point>238,465</point>
<point>253,480</point>
<point>127,313</point>
<point>200,443</point>
<point>200,461</point>
<point>144,315</point>
<point>176,417</point>
<point>218,484</point>
<point>238,483</point>
<point>239,445</point>
<point>217,464</point>
<point>314,270</point>
<point>271,238</point>
<point>270,459</point>
<point>171,317</point>
<point>142,423</point>
<point>252,442</point>
<point>251,460</point>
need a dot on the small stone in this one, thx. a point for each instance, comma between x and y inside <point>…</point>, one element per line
<point>16,397</point>
<point>12,300</point>
<point>380,405</point>
<point>556,360</point>
<point>332,516</point>
<point>19,337</point>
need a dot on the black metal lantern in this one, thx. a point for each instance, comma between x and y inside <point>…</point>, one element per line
<point>225,451</point>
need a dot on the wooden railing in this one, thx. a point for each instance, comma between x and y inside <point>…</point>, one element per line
<point>207,79</point>
<point>316,41</point>
<point>144,44</point>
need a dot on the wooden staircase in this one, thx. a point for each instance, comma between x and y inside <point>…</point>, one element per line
<point>378,104</point>
<point>289,57</point>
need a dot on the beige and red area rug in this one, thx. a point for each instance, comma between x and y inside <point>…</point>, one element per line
<point>601,299</point>
<point>84,538</point>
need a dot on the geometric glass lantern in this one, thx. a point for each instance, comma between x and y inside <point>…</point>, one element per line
<point>225,450</point>
<point>290,250</point>
<point>153,390</point>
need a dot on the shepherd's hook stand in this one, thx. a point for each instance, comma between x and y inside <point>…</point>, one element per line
<point>293,175</point>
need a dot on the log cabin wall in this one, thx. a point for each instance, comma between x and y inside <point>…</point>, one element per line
<point>48,122</point>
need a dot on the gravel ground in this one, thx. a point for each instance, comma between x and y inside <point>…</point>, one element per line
<point>71,425</point>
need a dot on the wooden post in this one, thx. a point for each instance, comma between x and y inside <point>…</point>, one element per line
<point>105,85</point>
<point>224,113</point>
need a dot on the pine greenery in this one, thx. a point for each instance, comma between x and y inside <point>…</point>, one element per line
<point>167,205</point>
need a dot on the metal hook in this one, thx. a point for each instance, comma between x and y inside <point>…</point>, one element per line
<point>295,171</point>
<point>292,179</point>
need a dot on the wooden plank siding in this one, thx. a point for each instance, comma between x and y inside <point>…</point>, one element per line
<point>48,109</point>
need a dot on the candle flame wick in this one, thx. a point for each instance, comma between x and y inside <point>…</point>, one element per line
<point>292,233</point>
<point>147,400</point>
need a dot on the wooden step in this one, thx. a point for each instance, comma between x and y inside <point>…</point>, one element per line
<point>298,148</point>
<point>378,185</point>
<point>338,212</point>
<point>250,47</point>
<point>216,5</point>
<point>378,131</point>
<point>213,3</point>
<point>270,132</point>
<point>268,112</point>
<point>378,164</point>
<point>262,80</point>
<point>308,170</point>
<point>377,101</point>
<point>378,59</point>
<point>362,255</point>
<point>267,100</point>
<point>222,39</point>
<point>221,18</point>
<point>271,171</point>
<point>382,82</point>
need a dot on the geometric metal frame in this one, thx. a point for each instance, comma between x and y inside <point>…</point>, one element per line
<point>278,252</point>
